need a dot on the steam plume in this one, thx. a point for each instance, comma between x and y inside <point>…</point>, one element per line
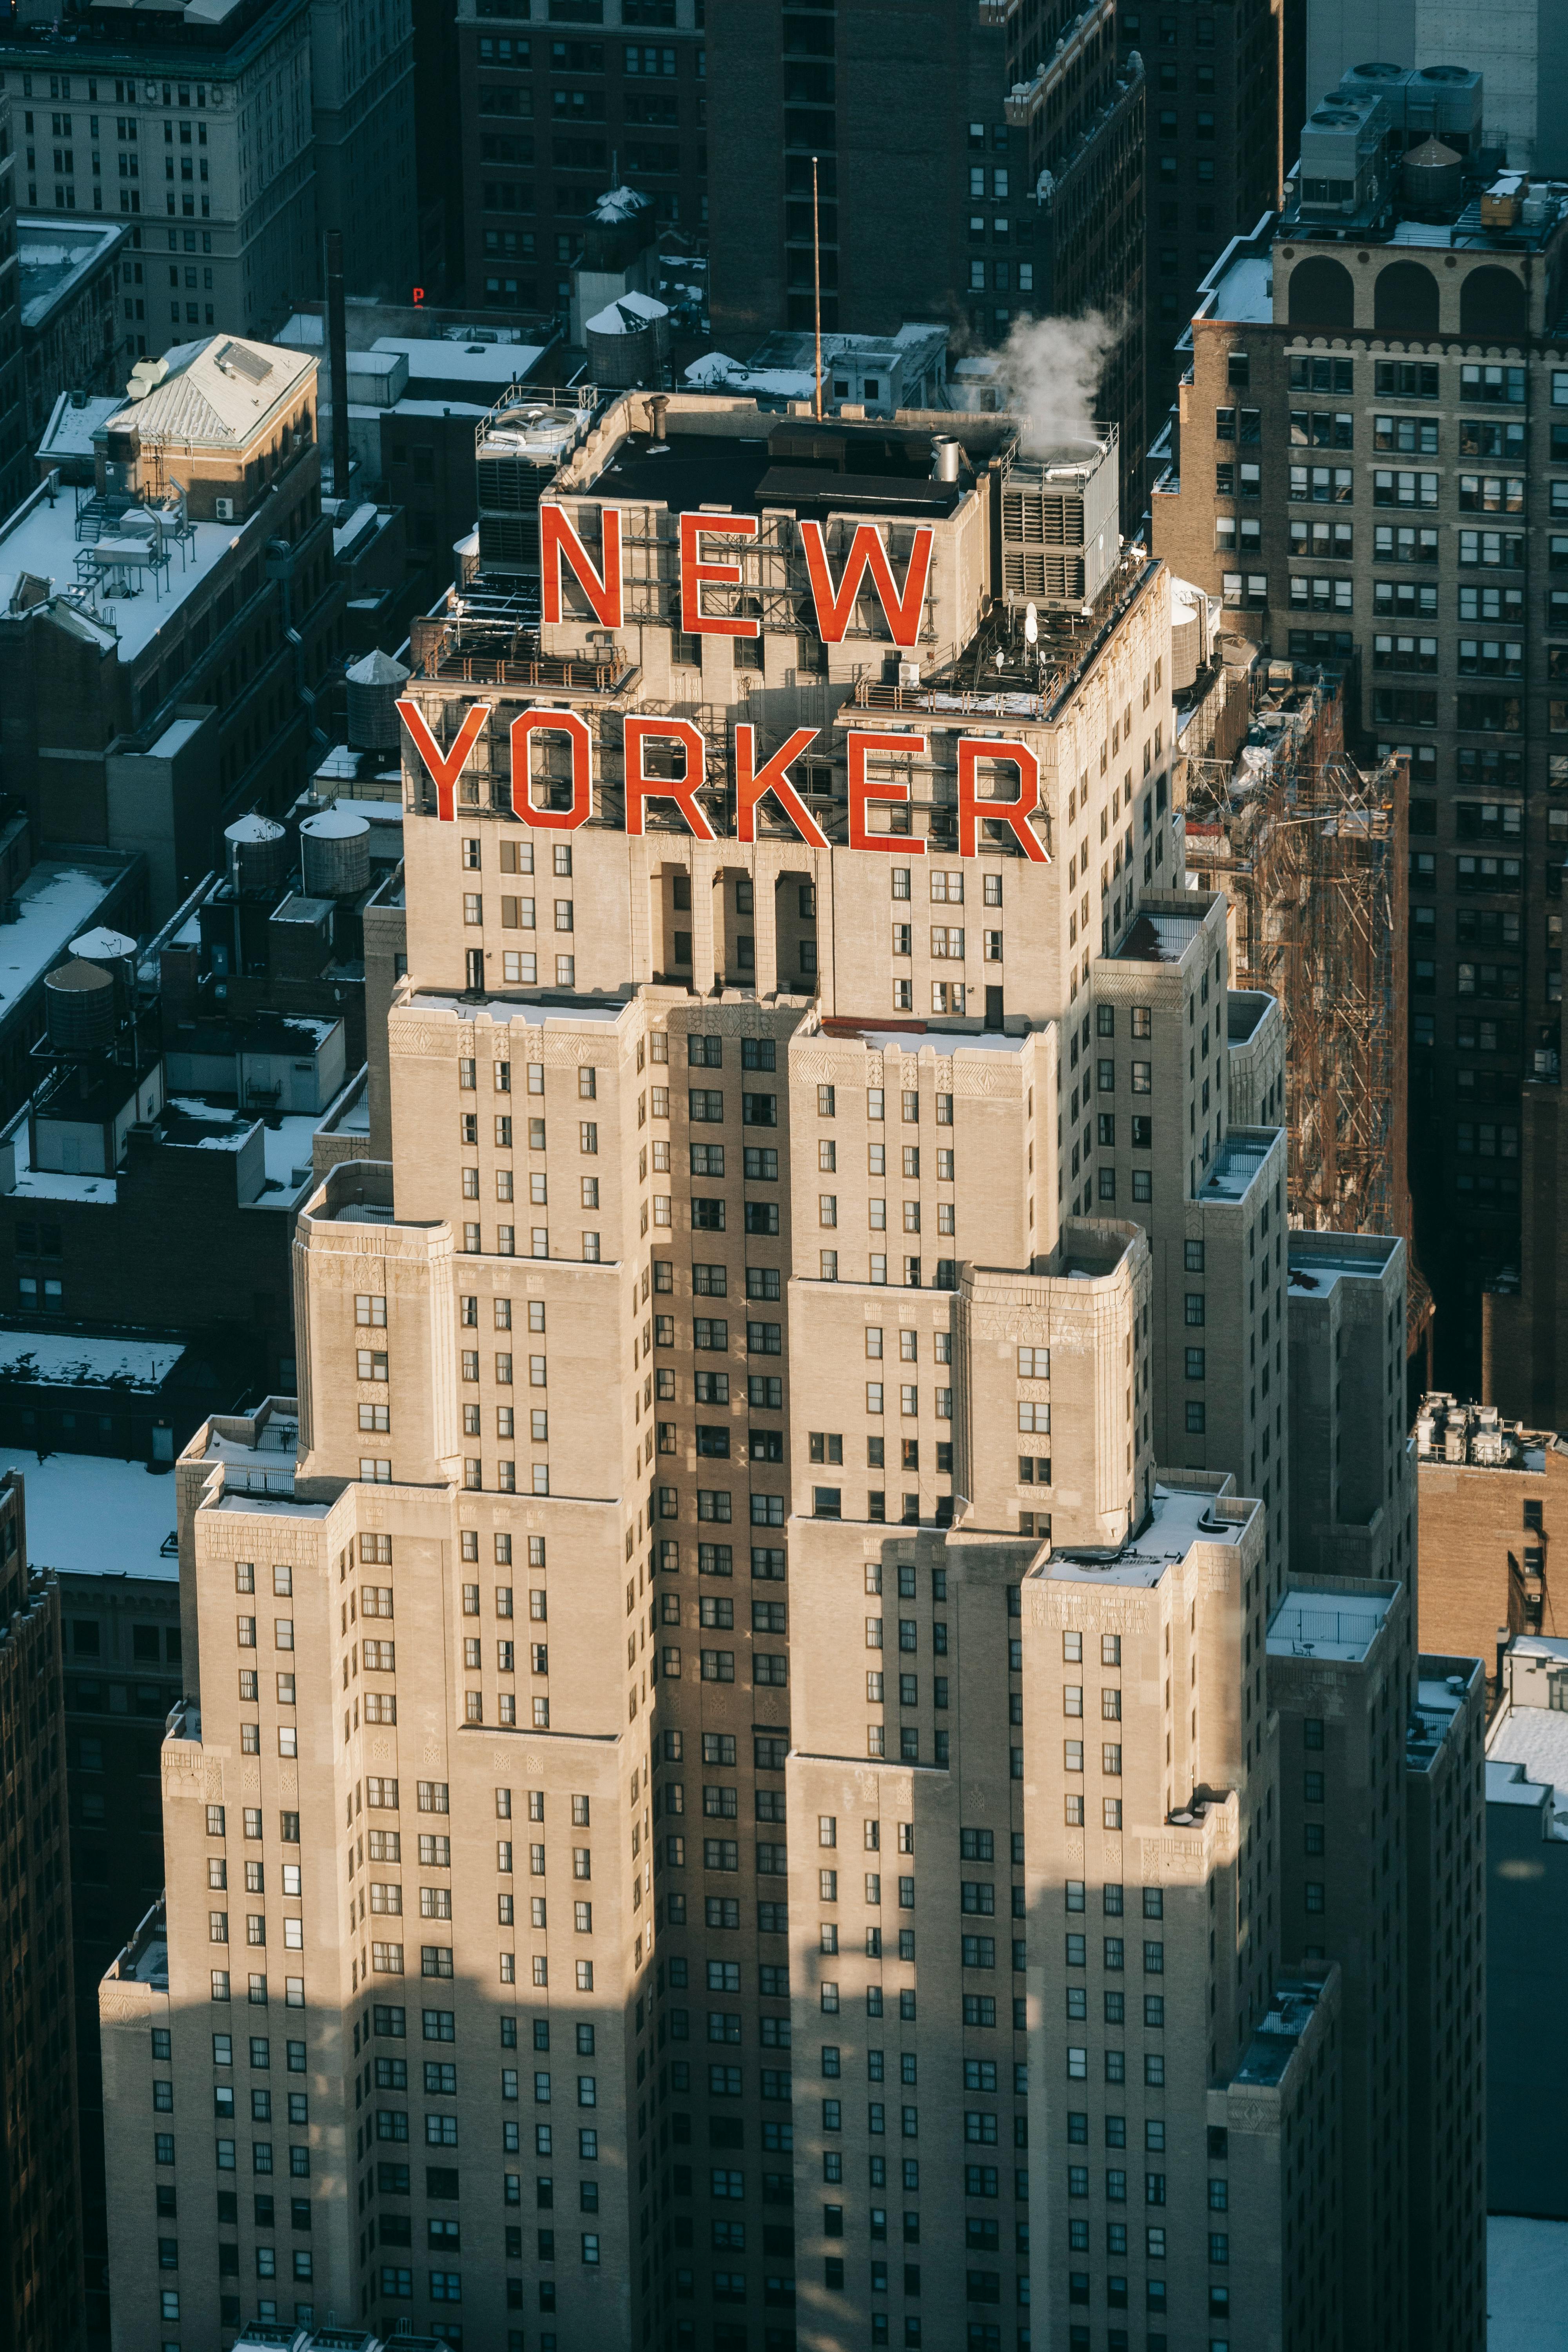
<point>1052,369</point>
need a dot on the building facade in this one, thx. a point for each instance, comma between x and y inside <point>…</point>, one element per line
<point>1213,137</point>
<point>744,1834</point>
<point>1382,391</point>
<point>41,2262</point>
<point>1014,191</point>
<point>1527,1890</point>
<point>558,105</point>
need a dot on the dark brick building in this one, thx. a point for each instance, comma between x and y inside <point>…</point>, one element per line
<point>977,165</point>
<point>554,112</point>
<point>40,2243</point>
<point>1212,76</point>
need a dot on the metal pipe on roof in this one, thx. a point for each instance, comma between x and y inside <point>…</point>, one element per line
<point>338,358</point>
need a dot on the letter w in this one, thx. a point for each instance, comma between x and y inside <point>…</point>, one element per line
<point>834,608</point>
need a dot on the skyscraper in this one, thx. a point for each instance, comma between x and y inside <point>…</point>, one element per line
<point>747,1840</point>
<point>1340,498</point>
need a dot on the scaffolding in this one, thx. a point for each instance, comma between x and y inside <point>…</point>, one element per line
<point>1312,852</point>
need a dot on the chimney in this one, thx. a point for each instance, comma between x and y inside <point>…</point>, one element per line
<point>338,359</point>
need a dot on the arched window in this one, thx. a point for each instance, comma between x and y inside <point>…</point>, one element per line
<point>1405,300</point>
<point>1492,304</point>
<point>1323,296</point>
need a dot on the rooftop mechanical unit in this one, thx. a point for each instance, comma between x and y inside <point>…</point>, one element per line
<point>1060,535</point>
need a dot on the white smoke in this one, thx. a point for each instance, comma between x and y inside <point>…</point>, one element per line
<point>1051,369</point>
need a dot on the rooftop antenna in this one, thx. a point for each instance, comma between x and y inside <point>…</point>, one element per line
<point>817,281</point>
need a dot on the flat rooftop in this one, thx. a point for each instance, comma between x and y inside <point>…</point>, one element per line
<point>1244,1012</point>
<point>76,1360</point>
<point>824,467</point>
<point>90,1516</point>
<point>534,1012</point>
<point>56,254</point>
<point>70,428</point>
<point>1181,1517</point>
<point>1436,1706</point>
<point>56,902</point>
<point>1326,1622</point>
<point>40,539</point>
<point>1317,1261</point>
<point>1243,284</point>
<point>1273,2045</point>
<point>1237,1162</point>
<point>1159,938</point>
<point>911,1037</point>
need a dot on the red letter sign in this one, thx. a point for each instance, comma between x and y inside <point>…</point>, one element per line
<point>972,749</point>
<point>444,766</point>
<point>642,787</point>
<point>693,573</point>
<point>836,609</point>
<point>557,538</point>
<point>553,722</point>
<point>862,792</point>
<point>753,783</point>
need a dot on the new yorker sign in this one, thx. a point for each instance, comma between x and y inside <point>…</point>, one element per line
<point>834,603</point>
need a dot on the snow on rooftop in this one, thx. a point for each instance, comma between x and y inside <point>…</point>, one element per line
<point>55,256</point>
<point>89,1515</point>
<point>41,539</point>
<point>630,314</point>
<point>436,356</point>
<point>174,738</point>
<point>70,428</point>
<point>218,390</point>
<point>1527,2283</point>
<point>619,204</point>
<point>55,903</point>
<point>44,1184</point>
<point>68,1358</point>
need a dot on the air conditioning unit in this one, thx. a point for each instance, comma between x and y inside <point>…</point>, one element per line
<point>224,509</point>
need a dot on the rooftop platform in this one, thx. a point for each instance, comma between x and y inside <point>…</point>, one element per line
<point>1328,1623</point>
<point>1181,1517</point>
<point>88,1515</point>
<point>1273,2045</point>
<point>1237,1163</point>
<point>1317,1261</point>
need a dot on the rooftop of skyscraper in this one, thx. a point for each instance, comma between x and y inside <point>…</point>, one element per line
<point>1333,1622</point>
<point>1181,1516</point>
<point>1273,2045</point>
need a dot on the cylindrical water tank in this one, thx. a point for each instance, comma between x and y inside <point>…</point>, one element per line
<point>257,853</point>
<point>374,686</point>
<point>947,454</point>
<point>114,953</point>
<point>334,855</point>
<point>1433,180</point>
<point>103,946</point>
<point>78,1006</point>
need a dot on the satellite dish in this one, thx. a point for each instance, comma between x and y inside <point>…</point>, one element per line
<point>1031,626</point>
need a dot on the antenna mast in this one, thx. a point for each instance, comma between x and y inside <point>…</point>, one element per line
<point>817,277</point>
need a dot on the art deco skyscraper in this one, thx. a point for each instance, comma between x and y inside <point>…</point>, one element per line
<point>727,1797</point>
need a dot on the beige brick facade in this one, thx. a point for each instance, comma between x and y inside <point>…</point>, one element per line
<point>795,1356</point>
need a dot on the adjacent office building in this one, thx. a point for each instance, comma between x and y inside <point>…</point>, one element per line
<point>1366,476</point>
<point>559,104</point>
<point>612,1887</point>
<point>979,163</point>
<point>1527,1902</point>
<point>41,2262</point>
<point>224,146</point>
<point>1212,81</point>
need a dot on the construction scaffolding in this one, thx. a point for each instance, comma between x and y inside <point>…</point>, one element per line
<point>1311,851</point>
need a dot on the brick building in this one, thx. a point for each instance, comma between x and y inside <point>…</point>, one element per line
<point>1491,1492</point>
<point>1213,137</point>
<point>1014,191</point>
<point>558,103</point>
<point>1328,479</point>
<point>820,1918</point>
<point>41,2251</point>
